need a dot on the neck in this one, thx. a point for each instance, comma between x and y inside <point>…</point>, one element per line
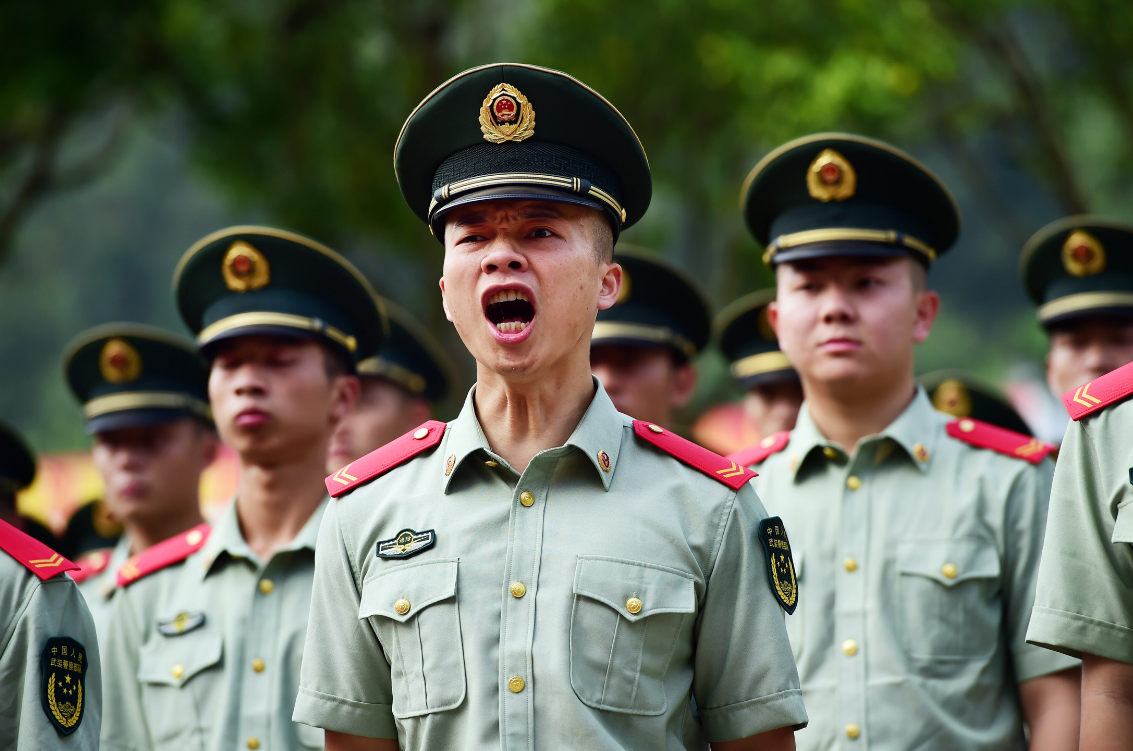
<point>146,534</point>
<point>846,414</point>
<point>521,419</point>
<point>274,502</point>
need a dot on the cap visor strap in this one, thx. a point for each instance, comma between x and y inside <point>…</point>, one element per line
<point>617,330</point>
<point>848,234</point>
<point>1084,301</point>
<point>764,362</point>
<point>286,320</point>
<point>145,400</point>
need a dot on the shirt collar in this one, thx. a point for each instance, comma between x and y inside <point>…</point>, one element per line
<point>228,539</point>
<point>914,431</point>
<point>598,435</point>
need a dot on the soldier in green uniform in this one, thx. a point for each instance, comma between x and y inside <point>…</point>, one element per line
<point>1079,272</point>
<point>50,671</point>
<point>771,388</point>
<point>401,386</point>
<point>917,538</point>
<point>642,346</point>
<point>16,473</point>
<point>543,572</point>
<point>144,393</point>
<point>207,629</point>
<point>1084,603</point>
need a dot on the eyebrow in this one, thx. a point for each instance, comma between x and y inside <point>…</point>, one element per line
<point>482,217</point>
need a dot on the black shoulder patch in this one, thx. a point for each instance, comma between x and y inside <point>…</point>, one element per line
<point>64,672</point>
<point>406,544</point>
<point>780,564</point>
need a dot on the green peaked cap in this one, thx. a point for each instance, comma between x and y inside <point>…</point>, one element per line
<point>748,341</point>
<point>17,462</point>
<point>411,358</point>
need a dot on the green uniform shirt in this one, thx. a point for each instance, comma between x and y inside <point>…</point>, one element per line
<point>98,589</point>
<point>1084,601</point>
<point>31,612</point>
<point>916,562</point>
<point>227,678</point>
<point>515,629</point>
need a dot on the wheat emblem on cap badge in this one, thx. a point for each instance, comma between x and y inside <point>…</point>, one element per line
<point>506,115</point>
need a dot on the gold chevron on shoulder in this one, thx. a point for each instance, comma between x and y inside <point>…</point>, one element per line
<point>731,471</point>
<point>343,477</point>
<point>1083,393</point>
<point>51,562</point>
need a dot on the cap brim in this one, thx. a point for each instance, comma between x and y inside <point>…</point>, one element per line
<point>208,349</point>
<point>842,249</point>
<point>519,193</point>
<point>136,418</point>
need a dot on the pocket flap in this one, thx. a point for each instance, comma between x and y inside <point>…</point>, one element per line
<point>614,582</point>
<point>1123,525</point>
<point>173,660</point>
<point>949,561</point>
<point>417,584</point>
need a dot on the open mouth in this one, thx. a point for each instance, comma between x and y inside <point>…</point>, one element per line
<point>510,311</point>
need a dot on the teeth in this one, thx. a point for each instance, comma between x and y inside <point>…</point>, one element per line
<point>511,326</point>
<point>506,296</point>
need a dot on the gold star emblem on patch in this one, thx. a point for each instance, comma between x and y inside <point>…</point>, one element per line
<point>119,362</point>
<point>1082,254</point>
<point>506,115</point>
<point>245,269</point>
<point>831,177</point>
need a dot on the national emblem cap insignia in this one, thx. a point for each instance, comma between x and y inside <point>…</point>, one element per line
<point>506,115</point>
<point>182,623</point>
<point>831,177</point>
<point>407,543</point>
<point>119,362</point>
<point>780,564</point>
<point>245,269</point>
<point>1082,254</point>
<point>64,672</point>
<point>952,398</point>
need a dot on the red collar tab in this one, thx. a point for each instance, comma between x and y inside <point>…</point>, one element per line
<point>730,473</point>
<point>165,553</point>
<point>91,564</point>
<point>986,436</point>
<point>378,462</point>
<point>756,454</point>
<point>1100,392</point>
<point>37,557</point>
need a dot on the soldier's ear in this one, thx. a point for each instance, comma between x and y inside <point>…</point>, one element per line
<point>611,285</point>
<point>444,299</point>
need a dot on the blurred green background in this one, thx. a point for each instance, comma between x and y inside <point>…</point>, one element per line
<point>128,130</point>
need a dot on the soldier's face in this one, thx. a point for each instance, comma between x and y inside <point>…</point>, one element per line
<point>851,322</point>
<point>383,412</point>
<point>522,284</point>
<point>774,407</point>
<point>274,400</point>
<point>1083,349</point>
<point>643,382</point>
<point>151,471</point>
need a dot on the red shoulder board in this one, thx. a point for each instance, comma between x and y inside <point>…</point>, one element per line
<point>986,436</point>
<point>39,559</point>
<point>380,461</point>
<point>91,564</point>
<point>165,553</point>
<point>772,444</point>
<point>710,463</point>
<point>1100,392</point>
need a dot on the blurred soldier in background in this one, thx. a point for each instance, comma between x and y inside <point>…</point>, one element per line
<point>1079,272</point>
<point>144,393</point>
<point>207,629</point>
<point>17,471</point>
<point>643,346</point>
<point>400,387</point>
<point>917,538</point>
<point>772,392</point>
<point>962,394</point>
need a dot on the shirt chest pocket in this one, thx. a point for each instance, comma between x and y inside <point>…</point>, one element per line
<point>623,631</point>
<point>949,597</point>
<point>1123,524</point>
<point>178,687</point>
<point>413,611</point>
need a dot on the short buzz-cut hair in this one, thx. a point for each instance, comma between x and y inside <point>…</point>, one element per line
<point>602,235</point>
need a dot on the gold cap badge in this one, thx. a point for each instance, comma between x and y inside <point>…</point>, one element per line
<point>245,269</point>
<point>119,362</point>
<point>830,177</point>
<point>952,398</point>
<point>506,115</point>
<point>1082,254</point>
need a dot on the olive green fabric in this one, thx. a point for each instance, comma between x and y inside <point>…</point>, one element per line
<point>594,673</point>
<point>31,612</point>
<point>1084,601</point>
<point>945,541</point>
<point>98,590</point>
<point>199,689</point>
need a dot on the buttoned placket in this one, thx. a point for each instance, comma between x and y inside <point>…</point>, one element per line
<point>850,592</point>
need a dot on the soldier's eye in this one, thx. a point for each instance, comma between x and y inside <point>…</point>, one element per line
<point>542,232</point>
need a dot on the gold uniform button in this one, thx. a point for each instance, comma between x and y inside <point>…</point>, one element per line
<point>401,607</point>
<point>853,731</point>
<point>515,684</point>
<point>829,452</point>
<point>421,433</point>
<point>258,665</point>
<point>633,605</point>
<point>178,671</point>
<point>517,589</point>
<point>967,426</point>
<point>491,463</point>
<point>253,743</point>
<point>850,647</point>
<point>194,537</point>
<point>526,498</point>
<point>920,452</point>
<point>853,482</point>
<point>949,570</point>
<point>656,428</point>
<point>850,564</point>
<point>266,586</point>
